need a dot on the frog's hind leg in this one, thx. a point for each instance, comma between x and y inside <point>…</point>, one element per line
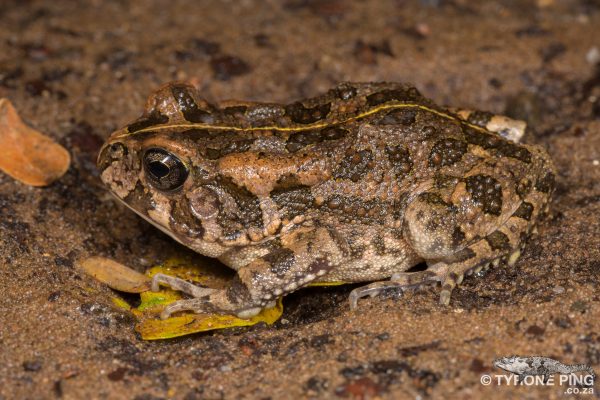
<point>503,245</point>
<point>491,250</point>
<point>400,280</point>
<point>472,259</point>
<point>458,237</point>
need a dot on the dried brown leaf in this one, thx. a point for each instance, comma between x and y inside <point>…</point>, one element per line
<point>115,275</point>
<point>26,154</point>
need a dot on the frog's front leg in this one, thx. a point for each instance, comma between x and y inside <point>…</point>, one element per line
<point>301,257</point>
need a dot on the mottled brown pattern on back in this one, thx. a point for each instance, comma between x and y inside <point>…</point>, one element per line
<point>361,183</point>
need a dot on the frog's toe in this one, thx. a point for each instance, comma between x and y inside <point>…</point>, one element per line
<point>371,290</point>
<point>448,285</point>
<point>402,280</point>
<point>218,302</point>
<point>197,306</point>
<point>445,296</point>
<point>179,284</point>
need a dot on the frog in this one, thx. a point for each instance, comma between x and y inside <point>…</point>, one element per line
<point>368,182</point>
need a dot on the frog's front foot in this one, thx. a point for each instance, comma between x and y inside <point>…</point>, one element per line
<point>210,305</point>
<point>179,284</point>
<point>197,306</point>
<point>206,300</point>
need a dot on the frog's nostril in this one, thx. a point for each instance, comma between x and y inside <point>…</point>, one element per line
<point>114,151</point>
<point>117,150</point>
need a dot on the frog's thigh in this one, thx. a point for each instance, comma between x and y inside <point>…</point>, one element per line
<point>435,230</point>
<point>302,257</point>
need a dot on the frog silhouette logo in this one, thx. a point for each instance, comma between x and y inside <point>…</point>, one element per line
<point>535,365</point>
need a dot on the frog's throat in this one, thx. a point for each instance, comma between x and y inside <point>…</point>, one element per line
<point>150,220</point>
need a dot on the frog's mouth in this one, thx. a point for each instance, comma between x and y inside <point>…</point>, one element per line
<point>150,220</point>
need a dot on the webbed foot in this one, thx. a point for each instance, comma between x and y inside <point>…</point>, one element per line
<point>402,280</point>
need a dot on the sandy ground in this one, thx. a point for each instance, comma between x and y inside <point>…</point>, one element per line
<point>78,70</point>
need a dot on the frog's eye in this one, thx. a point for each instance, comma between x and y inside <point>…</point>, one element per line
<point>164,170</point>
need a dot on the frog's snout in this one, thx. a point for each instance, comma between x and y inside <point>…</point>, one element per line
<point>110,152</point>
<point>118,168</point>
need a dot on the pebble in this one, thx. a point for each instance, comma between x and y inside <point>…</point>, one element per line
<point>558,289</point>
<point>593,55</point>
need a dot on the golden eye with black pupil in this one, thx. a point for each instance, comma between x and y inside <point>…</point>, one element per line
<point>164,170</point>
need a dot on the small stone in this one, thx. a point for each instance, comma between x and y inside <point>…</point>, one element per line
<point>579,306</point>
<point>225,368</point>
<point>360,388</point>
<point>593,55</point>
<point>478,366</point>
<point>226,67</point>
<point>535,330</point>
<point>54,296</point>
<point>32,365</point>
<point>558,289</point>
<point>117,375</point>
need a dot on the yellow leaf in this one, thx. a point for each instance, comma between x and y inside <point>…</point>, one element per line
<point>151,327</point>
<point>321,284</point>
<point>119,302</point>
